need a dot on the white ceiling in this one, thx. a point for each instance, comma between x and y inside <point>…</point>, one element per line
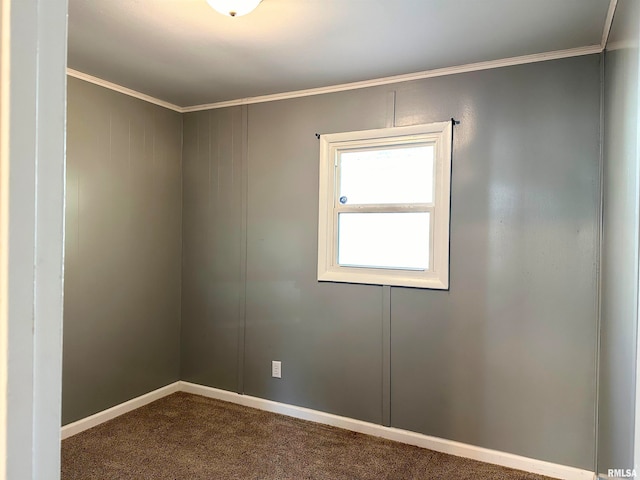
<point>185,53</point>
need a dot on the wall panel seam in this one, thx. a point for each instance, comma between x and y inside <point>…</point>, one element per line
<point>242,317</point>
<point>598,303</point>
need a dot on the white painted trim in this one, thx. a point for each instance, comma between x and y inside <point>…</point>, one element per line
<point>33,126</point>
<point>472,67</point>
<point>607,23</point>
<point>113,412</point>
<point>636,447</point>
<point>119,88</point>
<point>398,435</point>
<point>5,96</point>
<point>440,72</point>
<point>411,438</point>
<point>439,136</point>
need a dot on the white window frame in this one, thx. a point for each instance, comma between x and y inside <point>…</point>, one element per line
<point>437,276</point>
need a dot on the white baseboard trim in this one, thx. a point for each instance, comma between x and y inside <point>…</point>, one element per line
<point>113,412</point>
<point>459,449</point>
<point>404,436</point>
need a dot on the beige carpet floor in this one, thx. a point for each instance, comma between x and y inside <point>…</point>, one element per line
<point>189,437</point>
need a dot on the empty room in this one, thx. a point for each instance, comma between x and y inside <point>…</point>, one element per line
<point>320,239</point>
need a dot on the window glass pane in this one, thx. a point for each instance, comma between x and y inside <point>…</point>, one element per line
<point>389,175</point>
<point>384,240</point>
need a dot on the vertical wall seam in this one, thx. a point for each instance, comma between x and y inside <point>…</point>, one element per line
<point>636,435</point>
<point>635,449</point>
<point>214,218</point>
<point>386,304</point>
<point>386,355</point>
<point>219,160</point>
<point>391,109</point>
<point>244,201</point>
<point>598,259</point>
<point>181,280</point>
<point>208,253</point>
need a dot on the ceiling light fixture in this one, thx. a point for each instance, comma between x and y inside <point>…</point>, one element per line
<point>234,8</point>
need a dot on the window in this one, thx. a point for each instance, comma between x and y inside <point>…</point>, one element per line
<point>384,206</point>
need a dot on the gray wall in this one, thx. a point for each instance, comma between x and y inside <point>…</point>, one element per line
<point>212,246</point>
<point>505,360</point>
<point>123,244</point>
<point>620,242</point>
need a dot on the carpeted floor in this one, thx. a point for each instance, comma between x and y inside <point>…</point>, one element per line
<point>188,437</point>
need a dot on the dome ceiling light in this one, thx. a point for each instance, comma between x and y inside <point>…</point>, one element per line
<point>234,8</point>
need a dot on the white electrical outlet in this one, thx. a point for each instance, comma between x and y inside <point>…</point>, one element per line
<point>276,369</point>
